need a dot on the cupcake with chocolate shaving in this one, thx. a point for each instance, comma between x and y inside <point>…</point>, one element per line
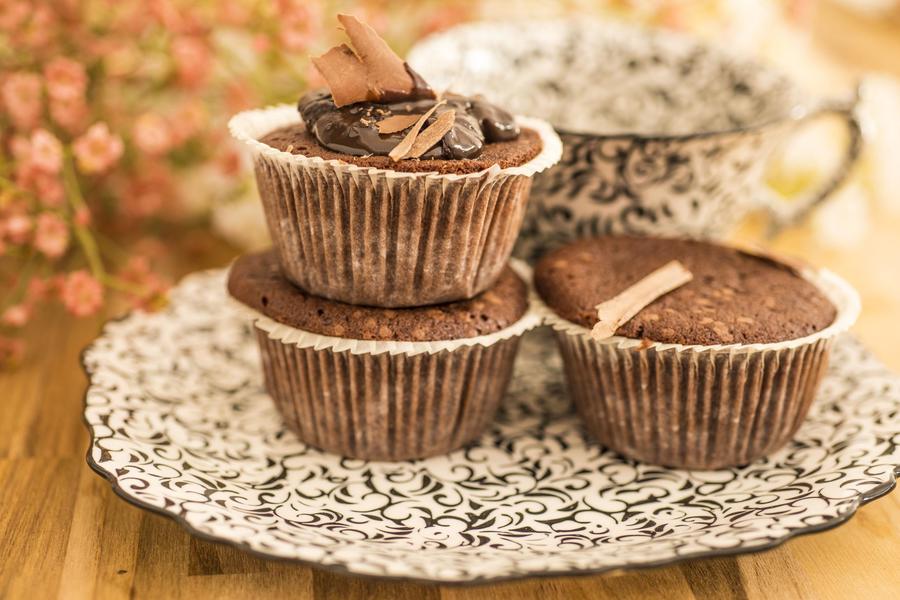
<point>689,354</point>
<point>379,192</point>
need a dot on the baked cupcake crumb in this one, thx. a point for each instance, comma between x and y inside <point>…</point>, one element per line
<point>734,298</point>
<point>256,281</point>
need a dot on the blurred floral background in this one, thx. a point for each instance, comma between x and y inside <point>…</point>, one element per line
<point>113,112</point>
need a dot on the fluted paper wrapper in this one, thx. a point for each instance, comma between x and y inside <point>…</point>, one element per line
<point>387,406</point>
<point>387,400</point>
<point>698,407</point>
<point>379,237</point>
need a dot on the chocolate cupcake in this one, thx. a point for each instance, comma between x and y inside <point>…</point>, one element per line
<point>717,372</point>
<point>382,384</point>
<point>376,192</point>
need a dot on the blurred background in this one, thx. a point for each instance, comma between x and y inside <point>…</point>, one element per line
<point>117,174</point>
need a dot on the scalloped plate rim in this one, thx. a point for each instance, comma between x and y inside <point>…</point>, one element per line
<point>862,499</point>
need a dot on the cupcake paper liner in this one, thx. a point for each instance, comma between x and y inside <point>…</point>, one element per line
<point>698,407</point>
<point>387,406</point>
<point>379,237</point>
<point>387,400</point>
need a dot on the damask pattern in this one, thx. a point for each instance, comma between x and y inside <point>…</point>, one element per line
<point>662,135</point>
<point>180,424</point>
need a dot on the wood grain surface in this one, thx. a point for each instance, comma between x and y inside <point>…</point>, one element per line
<point>63,533</point>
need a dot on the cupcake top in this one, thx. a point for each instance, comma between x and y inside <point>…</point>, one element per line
<point>378,112</point>
<point>733,298</point>
<point>256,281</point>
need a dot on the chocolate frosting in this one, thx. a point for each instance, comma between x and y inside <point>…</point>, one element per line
<point>353,129</point>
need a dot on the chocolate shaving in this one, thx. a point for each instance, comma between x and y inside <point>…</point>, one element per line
<point>406,143</point>
<point>617,311</point>
<point>396,123</point>
<point>369,71</point>
<point>432,134</point>
<point>345,74</point>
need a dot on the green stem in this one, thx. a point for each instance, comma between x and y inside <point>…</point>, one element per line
<point>24,277</point>
<point>87,242</point>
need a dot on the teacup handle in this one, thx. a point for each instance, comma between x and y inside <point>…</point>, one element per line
<point>784,214</point>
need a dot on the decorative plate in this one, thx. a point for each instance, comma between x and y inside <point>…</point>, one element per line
<point>181,425</point>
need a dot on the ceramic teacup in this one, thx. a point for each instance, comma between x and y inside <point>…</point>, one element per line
<point>663,135</point>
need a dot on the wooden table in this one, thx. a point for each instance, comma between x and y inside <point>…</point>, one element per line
<point>64,533</point>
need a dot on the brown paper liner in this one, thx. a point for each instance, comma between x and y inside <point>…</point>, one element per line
<point>691,410</point>
<point>379,237</point>
<point>390,242</point>
<point>698,407</point>
<point>387,406</point>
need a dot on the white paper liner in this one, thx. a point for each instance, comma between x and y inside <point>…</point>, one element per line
<point>250,125</point>
<point>841,294</point>
<point>306,339</point>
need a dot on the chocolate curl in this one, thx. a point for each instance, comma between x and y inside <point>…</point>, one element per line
<point>617,311</point>
<point>432,134</point>
<point>406,143</point>
<point>369,71</point>
<point>387,75</point>
<point>345,74</point>
<point>396,123</point>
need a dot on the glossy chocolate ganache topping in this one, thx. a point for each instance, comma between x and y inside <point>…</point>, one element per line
<point>377,105</point>
<point>354,129</point>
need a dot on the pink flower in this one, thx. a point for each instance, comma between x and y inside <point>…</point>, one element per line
<point>13,14</point>
<point>17,228</point>
<point>20,147</point>
<point>193,60</point>
<point>98,149</point>
<point>148,194</point>
<point>299,23</point>
<point>66,79</point>
<point>229,162</point>
<point>37,290</point>
<point>262,43</point>
<point>16,315</point>
<point>234,13</point>
<point>46,151</point>
<point>152,288</point>
<point>51,236</point>
<point>189,118</point>
<point>81,294</point>
<point>39,29</point>
<point>22,98</point>
<point>239,96</point>
<point>71,115</point>
<point>48,188</point>
<point>152,134</point>
<point>171,16</point>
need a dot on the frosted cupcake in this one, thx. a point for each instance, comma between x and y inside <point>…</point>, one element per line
<point>383,384</point>
<point>718,370</point>
<point>376,192</point>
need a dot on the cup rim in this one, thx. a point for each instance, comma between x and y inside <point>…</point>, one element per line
<point>791,113</point>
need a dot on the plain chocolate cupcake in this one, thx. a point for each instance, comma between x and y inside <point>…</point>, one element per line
<point>382,384</point>
<point>717,372</point>
<point>386,195</point>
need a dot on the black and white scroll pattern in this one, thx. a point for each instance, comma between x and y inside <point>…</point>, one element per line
<point>662,135</point>
<point>180,424</point>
